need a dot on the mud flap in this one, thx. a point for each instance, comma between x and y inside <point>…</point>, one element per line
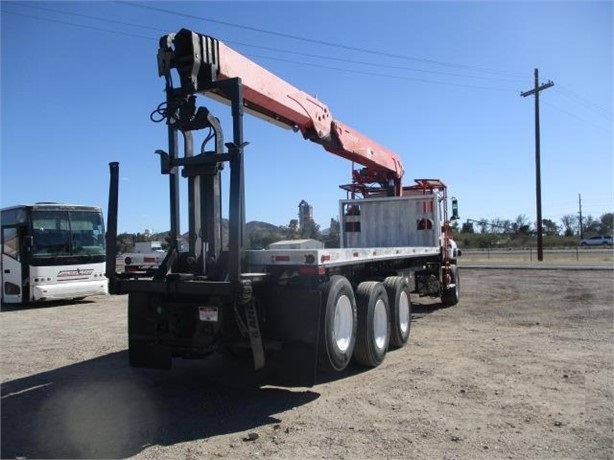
<point>142,349</point>
<point>255,339</point>
<point>295,321</point>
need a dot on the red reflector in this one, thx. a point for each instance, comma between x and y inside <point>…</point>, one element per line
<point>282,258</point>
<point>149,259</point>
<point>355,254</point>
<point>325,258</point>
<point>312,271</point>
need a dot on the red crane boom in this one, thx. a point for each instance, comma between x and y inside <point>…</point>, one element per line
<point>201,60</point>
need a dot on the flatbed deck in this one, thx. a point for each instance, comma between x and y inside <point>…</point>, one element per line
<point>334,257</point>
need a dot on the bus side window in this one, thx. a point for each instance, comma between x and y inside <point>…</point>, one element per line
<point>10,242</point>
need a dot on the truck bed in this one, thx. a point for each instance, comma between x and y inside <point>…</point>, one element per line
<point>334,257</point>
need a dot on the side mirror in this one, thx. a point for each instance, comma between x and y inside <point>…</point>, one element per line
<point>454,209</point>
<point>28,242</point>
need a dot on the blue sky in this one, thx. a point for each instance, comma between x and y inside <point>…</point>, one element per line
<point>437,82</point>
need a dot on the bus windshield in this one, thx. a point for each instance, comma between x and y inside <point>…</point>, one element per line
<point>67,233</point>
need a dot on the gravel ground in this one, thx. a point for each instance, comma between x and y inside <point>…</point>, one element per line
<point>522,368</point>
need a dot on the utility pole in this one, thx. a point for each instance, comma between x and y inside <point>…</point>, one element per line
<point>538,185</point>
<point>580,213</point>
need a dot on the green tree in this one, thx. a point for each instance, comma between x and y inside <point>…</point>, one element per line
<point>125,242</point>
<point>310,230</point>
<point>591,226</point>
<point>142,237</point>
<point>483,224</point>
<point>290,231</point>
<point>607,224</point>
<point>500,226</point>
<point>262,239</point>
<point>549,227</point>
<point>570,225</point>
<point>522,225</point>
<point>331,240</point>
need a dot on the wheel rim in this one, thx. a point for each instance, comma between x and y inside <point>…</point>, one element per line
<point>380,324</point>
<point>343,324</point>
<point>403,313</point>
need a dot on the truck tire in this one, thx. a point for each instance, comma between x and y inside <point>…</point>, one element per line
<point>373,335</point>
<point>399,302</point>
<point>338,325</point>
<point>451,296</point>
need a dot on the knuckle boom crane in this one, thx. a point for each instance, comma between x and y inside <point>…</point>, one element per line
<point>299,311</point>
<point>201,60</point>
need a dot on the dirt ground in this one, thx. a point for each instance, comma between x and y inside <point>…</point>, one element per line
<point>522,368</point>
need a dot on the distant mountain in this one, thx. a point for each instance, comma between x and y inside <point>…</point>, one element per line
<point>255,225</point>
<point>258,233</point>
<point>258,226</point>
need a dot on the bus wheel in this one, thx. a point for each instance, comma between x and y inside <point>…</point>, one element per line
<point>373,335</point>
<point>400,310</point>
<point>338,325</point>
<point>451,295</point>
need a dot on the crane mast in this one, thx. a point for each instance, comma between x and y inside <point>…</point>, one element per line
<point>201,61</point>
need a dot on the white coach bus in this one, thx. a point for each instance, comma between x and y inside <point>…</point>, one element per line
<point>52,251</point>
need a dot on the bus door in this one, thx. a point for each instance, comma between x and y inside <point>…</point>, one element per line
<point>15,266</point>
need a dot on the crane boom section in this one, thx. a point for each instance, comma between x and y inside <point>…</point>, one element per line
<point>201,60</point>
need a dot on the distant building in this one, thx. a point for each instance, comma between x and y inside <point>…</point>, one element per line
<point>305,213</point>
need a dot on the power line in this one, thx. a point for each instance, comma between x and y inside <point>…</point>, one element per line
<point>292,52</point>
<point>371,64</point>
<point>601,128</point>
<point>316,41</point>
<point>566,92</point>
<point>376,74</point>
<point>87,16</point>
<point>59,21</point>
<point>595,108</point>
<point>354,71</point>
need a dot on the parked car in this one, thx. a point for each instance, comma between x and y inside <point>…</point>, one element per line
<point>599,240</point>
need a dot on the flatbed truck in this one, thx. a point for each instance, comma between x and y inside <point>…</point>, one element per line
<point>297,311</point>
<point>145,257</point>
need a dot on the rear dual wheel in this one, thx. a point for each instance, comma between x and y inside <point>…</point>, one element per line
<point>338,325</point>
<point>362,324</point>
<point>399,301</point>
<point>373,335</point>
